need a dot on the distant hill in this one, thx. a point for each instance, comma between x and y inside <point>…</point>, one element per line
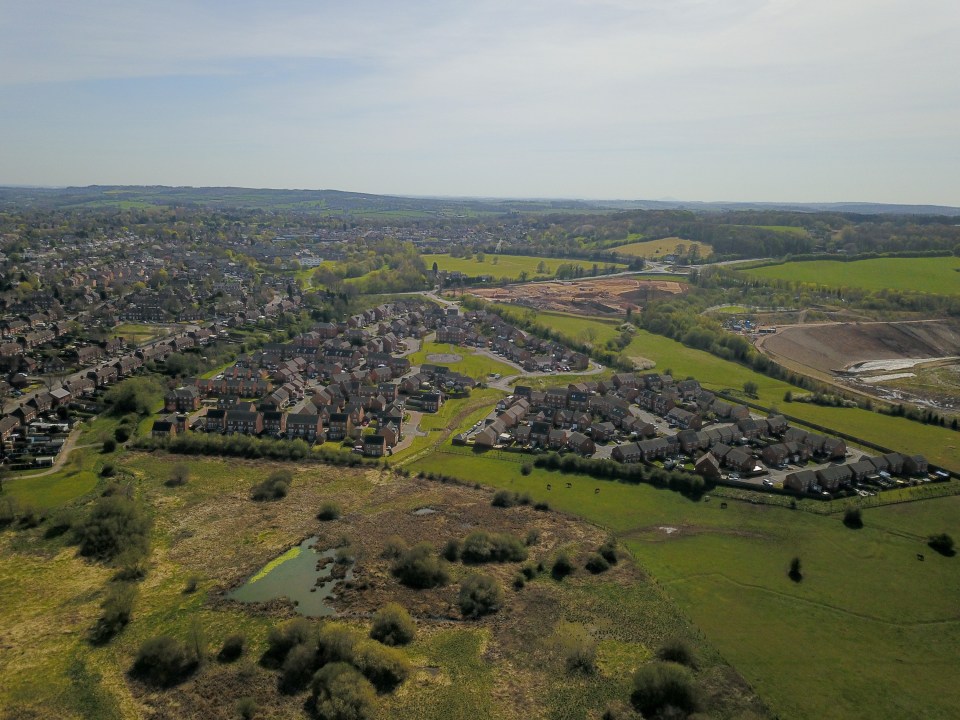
<point>336,202</point>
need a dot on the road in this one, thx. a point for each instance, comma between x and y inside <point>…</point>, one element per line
<point>69,446</point>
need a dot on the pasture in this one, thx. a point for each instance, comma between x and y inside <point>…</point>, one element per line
<point>937,275</point>
<point>509,267</point>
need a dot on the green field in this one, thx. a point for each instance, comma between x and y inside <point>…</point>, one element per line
<point>938,275</point>
<point>788,229</point>
<point>655,249</point>
<point>877,630</point>
<point>138,333</point>
<point>472,364</point>
<point>509,267</point>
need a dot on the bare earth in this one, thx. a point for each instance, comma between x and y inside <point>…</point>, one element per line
<point>600,296</point>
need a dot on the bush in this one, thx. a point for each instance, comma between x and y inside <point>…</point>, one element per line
<point>282,639</point>
<point>658,686</point>
<point>233,648</point>
<point>480,595</point>
<point>179,475</point>
<point>298,668</point>
<point>108,470</point>
<point>339,692</point>
<point>526,469</point>
<point>114,525</point>
<point>246,708</point>
<point>275,487</point>
<point>562,567</point>
<point>620,711</point>
<point>542,506</point>
<point>533,537</point>
<point>392,625</point>
<point>336,643</point>
<point>609,552</point>
<point>942,543</point>
<point>519,581</point>
<point>328,511</point>
<point>853,518</point>
<point>597,564</point>
<point>122,434</point>
<point>677,651</point>
<point>385,667</point>
<point>164,661</point>
<point>109,445</point>
<point>482,547</point>
<point>420,568</point>
<point>117,609</point>
<point>577,648</point>
<point>451,550</point>
<point>503,499</point>
<point>394,547</point>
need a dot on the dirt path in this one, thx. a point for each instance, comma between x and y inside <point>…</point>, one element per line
<point>69,446</point>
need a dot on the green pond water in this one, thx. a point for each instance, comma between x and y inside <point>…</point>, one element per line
<point>293,575</point>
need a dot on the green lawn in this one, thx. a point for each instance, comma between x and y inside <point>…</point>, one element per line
<point>937,275</point>
<point>508,267</point>
<point>472,364</point>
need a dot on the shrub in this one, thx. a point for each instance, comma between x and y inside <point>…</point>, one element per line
<point>114,525</point>
<point>392,625</point>
<point>394,547</point>
<point>609,552</point>
<point>480,595</point>
<point>503,499</point>
<point>677,651</point>
<point>61,522</point>
<point>529,572</point>
<point>482,547</point>
<point>562,566</point>
<point>164,661</point>
<point>620,711</point>
<point>191,587</point>
<point>328,511</point>
<point>533,537</point>
<point>108,470</point>
<point>853,518</point>
<point>658,686</point>
<point>283,638</point>
<point>109,445</point>
<point>117,608</point>
<point>336,643</point>
<point>420,568</point>
<point>385,667</point>
<point>122,434</point>
<point>519,581</point>
<point>275,487</point>
<point>942,543</point>
<point>298,668</point>
<point>451,550</point>
<point>526,469</point>
<point>246,708</point>
<point>597,564</point>
<point>577,648</point>
<point>179,475</point>
<point>340,692</point>
<point>233,648</point>
<point>542,506</point>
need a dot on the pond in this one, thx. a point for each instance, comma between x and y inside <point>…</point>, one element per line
<point>302,574</point>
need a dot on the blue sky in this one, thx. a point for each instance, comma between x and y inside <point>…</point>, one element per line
<point>802,100</point>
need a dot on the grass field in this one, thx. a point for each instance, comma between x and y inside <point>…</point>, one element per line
<point>878,630</point>
<point>508,267</point>
<point>788,229</point>
<point>471,364</point>
<point>656,249</point>
<point>938,275</point>
<point>138,333</point>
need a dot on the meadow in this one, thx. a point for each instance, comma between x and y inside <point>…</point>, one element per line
<point>937,275</point>
<point>509,267</point>
<point>472,364</point>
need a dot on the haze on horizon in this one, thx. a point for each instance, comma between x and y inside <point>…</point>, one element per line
<point>736,100</point>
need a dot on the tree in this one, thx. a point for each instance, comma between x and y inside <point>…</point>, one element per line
<point>853,518</point>
<point>385,667</point>
<point>340,692</point>
<point>541,267</point>
<point>796,570</point>
<point>392,625</point>
<point>943,544</point>
<point>523,276</point>
<point>117,609</point>
<point>115,525</point>
<point>750,388</point>
<point>419,567</point>
<point>480,595</point>
<point>480,257</point>
<point>163,661</point>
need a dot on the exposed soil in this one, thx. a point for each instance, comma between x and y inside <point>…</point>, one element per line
<point>601,296</point>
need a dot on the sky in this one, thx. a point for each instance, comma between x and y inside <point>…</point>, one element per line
<point>736,100</point>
